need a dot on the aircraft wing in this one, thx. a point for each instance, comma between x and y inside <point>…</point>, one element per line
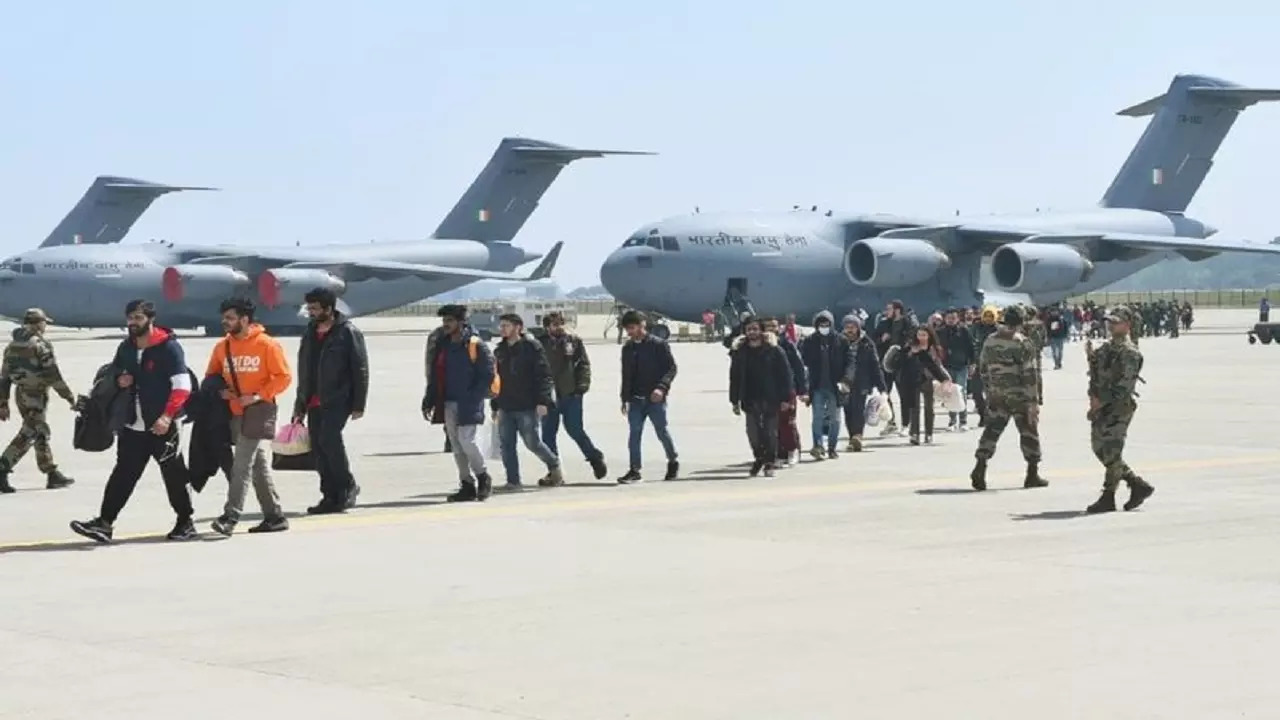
<point>358,270</point>
<point>994,234</point>
<point>1157,243</point>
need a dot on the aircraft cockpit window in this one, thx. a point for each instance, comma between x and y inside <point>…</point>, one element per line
<point>670,243</point>
<point>655,242</point>
<point>27,268</point>
<point>633,242</point>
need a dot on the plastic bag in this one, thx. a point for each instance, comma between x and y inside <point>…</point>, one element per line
<point>874,402</point>
<point>292,439</point>
<point>493,451</point>
<point>949,394</point>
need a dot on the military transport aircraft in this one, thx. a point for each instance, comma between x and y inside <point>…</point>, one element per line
<point>804,262</point>
<point>82,278</point>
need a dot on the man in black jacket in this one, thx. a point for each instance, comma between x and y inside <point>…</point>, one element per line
<point>760,386</point>
<point>829,359</point>
<point>151,368</point>
<point>333,385</point>
<point>959,360</point>
<point>648,369</point>
<point>571,377</point>
<point>867,377</point>
<point>896,327</point>
<point>524,398</point>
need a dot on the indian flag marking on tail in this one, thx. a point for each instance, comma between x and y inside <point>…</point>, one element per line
<point>1157,176</point>
<point>483,216</point>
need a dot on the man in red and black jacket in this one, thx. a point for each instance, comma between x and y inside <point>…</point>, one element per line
<point>150,366</point>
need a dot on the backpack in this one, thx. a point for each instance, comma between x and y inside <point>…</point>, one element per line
<point>473,351</point>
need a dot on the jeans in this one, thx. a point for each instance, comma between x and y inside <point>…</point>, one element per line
<point>855,414</point>
<point>568,409</point>
<point>960,376</point>
<point>1055,347</point>
<point>639,410</point>
<point>525,424</point>
<point>826,418</point>
<point>326,425</point>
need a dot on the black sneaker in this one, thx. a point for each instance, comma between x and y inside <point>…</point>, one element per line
<point>271,524</point>
<point>755,468</point>
<point>598,468</point>
<point>56,481</point>
<point>673,470</point>
<point>466,493</point>
<point>632,477</point>
<point>224,525</point>
<point>94,529</point>
<point>184,529</point>
<point>325,507</point>
<point>484,486</point>
<point>832,454</point>
<point>352,494</point>
<point>5,487</point>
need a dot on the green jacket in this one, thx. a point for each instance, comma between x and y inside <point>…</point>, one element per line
<point>570,366</point>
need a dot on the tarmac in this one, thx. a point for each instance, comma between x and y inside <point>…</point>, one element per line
<point>873,586</point>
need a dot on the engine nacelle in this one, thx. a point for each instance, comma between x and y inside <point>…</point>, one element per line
<point>893,262</point>
<point>201,282</point>
<point>289,286</point>
<point>1039,268</point>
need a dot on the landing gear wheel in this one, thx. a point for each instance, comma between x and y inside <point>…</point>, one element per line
<point>1253,339</point>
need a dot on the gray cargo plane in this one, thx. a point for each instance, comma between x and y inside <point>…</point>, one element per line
<point>82,278</point>
<point>805,261</point>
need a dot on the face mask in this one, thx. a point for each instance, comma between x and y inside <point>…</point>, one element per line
<point>825,330</point>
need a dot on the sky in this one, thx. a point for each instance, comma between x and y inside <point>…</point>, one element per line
<point>349,122</point>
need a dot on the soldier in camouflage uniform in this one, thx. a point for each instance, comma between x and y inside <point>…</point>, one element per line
<point>1035,332</point>
<point>1113,377</point>
<point>1011,378</point>
<point>29,371</point>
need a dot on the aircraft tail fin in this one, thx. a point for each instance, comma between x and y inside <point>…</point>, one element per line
<point>1175,153</point>
<point>509,187</point>
<point>108,210</point>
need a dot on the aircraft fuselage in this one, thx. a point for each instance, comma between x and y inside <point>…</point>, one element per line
<point>794,262</point>
<point>89,285</point>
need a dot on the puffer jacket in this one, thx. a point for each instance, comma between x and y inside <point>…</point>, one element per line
<point>839,360</point>
<point>760,376</point>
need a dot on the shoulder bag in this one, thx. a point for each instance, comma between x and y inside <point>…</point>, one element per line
<point>259,419</point>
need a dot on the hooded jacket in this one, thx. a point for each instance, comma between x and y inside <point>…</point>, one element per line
<point>524,375</point>
<point>828,358</point>
<point>161,380</point>
<point>759,376</point>
<point>868,374</point>
<point>260,366</point>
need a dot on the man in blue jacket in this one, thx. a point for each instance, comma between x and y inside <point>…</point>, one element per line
<point>460,374</point>
<point>151,367</point>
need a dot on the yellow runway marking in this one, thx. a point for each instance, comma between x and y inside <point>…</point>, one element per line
<point>722,491</point>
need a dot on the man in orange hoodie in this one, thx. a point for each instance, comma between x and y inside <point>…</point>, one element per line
<point>261,373</point>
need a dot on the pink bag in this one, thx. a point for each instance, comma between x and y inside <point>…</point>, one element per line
<point>292,439</point>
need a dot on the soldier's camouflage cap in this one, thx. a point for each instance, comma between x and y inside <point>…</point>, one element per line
<point>35,315</point>
<point>1120,314</point>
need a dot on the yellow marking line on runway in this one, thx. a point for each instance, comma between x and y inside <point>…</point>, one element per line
<point>774,489</point>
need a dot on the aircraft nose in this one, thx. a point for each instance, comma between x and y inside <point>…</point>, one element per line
<point>618,276</point>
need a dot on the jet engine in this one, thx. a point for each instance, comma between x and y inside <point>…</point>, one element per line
<point>893,262</point>
<point>201,282</point>
<point>1039,268</point>
<point>288,286</point>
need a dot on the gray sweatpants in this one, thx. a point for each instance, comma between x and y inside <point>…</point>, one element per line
<point>462,440</point>
<point>252,458</point>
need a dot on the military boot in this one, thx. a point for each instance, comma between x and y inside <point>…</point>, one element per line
<point>979,475</point>
<point>1105,503</point>
<point>1033,479</point>
<point>1139,491</point>
<point>56,480</point>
